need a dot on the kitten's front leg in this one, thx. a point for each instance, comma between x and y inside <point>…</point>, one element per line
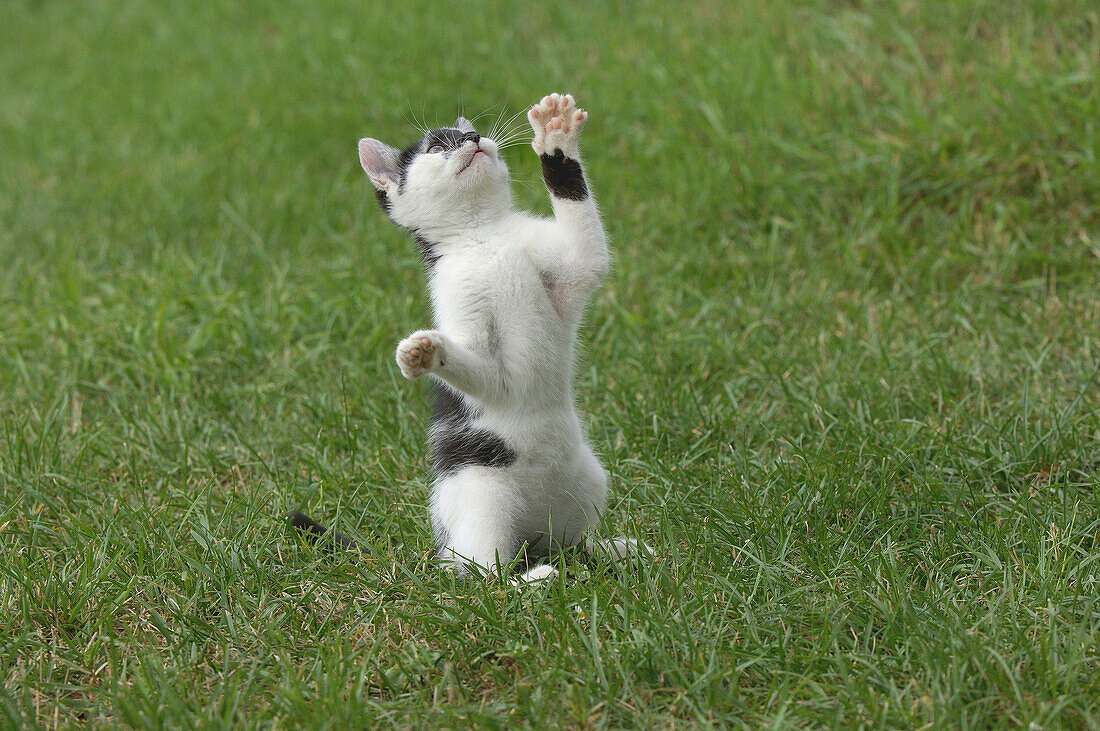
<point>417,353</point>
<point>557,124</point>
<point>430,351</point>
<point>581,250</point>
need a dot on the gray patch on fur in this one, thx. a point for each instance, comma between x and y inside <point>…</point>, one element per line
<point>551,286</point>
<point>494,337</point>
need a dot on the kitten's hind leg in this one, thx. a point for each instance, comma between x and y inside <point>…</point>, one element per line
<point>472,517</point>
<point>536,574</point>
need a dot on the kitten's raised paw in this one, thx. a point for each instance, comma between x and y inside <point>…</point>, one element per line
<point>557,123</point>
<point>420,351</point>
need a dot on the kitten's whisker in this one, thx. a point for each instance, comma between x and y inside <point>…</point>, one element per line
<point>496,122</point>
<point>424,122</point>
<point>522,128</point>
<point>510,119</point>
<point>513,138</point>
<point>517,129</point>
<point>514,130</point>
<point>410,117</point>
<point>511,122</point>
<point>493,126</point>
<point>417,122</point>
<point>504,126</point>
<point>504,141</point>
<point>481,114</point>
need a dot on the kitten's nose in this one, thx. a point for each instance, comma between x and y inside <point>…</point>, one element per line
<point>471,137</point>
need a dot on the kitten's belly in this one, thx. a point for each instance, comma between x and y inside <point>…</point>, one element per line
<point>534,428</point>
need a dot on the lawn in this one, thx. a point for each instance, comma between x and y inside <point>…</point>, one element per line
<point>844,373</point>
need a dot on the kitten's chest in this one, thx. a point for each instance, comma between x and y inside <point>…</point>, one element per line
<point>491,298</point>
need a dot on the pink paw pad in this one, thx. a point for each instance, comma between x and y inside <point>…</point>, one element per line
<point>556,122</point>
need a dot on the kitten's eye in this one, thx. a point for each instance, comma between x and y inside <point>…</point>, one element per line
<point>436,148</point>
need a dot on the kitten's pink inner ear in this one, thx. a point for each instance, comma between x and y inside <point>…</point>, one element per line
<point>379,160</point>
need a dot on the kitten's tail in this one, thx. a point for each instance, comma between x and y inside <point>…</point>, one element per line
<point>314,532</point>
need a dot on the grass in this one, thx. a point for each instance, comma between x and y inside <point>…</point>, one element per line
<point>844,374</point>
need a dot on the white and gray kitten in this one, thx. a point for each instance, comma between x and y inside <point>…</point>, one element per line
<point>513,473</point>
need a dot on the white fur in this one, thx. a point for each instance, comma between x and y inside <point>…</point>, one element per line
<point>542,572</point>
<point>508,294</point>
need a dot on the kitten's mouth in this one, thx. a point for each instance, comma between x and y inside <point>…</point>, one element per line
<point>470,162</point>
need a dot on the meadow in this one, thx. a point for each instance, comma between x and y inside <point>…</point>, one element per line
<point>844,373</point>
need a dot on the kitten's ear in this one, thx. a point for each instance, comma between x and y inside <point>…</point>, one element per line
<point>463,125</point>
<point>380,162</point>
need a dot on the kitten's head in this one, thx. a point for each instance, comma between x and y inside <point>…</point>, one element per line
<point>449,178</point>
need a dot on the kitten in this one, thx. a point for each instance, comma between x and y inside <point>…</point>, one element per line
<point>512,472</point>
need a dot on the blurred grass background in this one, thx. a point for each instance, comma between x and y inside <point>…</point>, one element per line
<point>844,373</point>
